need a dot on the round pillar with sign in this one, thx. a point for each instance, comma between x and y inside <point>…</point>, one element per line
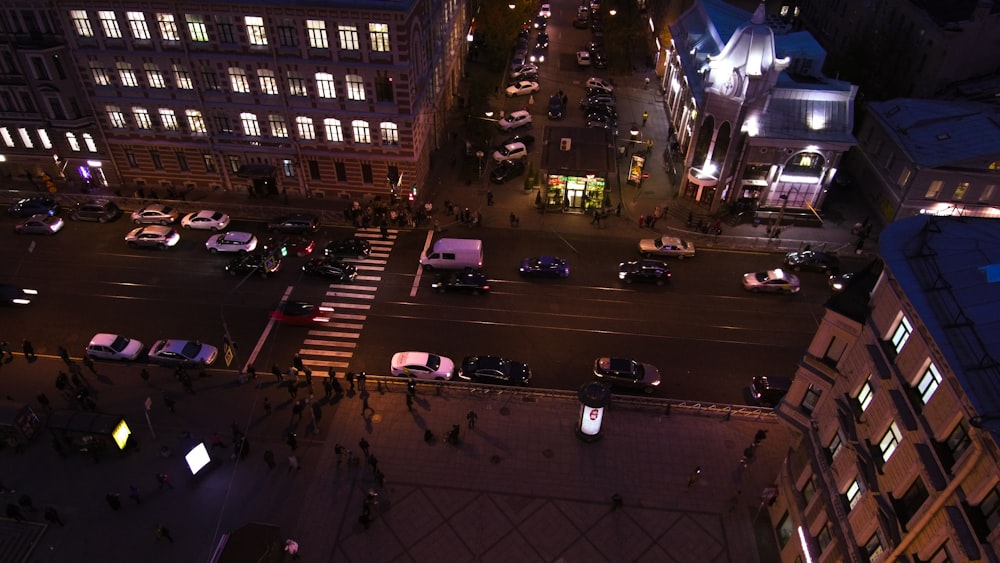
<point>594,398</point>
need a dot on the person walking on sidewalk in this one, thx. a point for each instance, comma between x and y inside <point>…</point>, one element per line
<point>472,417</point>
<point>28,349</point>
<point>363,444</point>
<point>277,373</point>
<point>5,352</point>
<point>349,376</point>
<point>361,381</point>
<point>645,116</point>
<point>133,493</point>
<point>267,406</point>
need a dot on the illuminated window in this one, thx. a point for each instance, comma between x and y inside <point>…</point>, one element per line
<point>934,189</point>
<point>988,192</point>
<point>853,494</point>
<point>960,190</point>
<point>238,80</point>
<point>296,84</point>
<point>81,23</point>
<point>379,35</point>
<point>865,394</point>
<point>268,83</point>
<point>306,129</point>
<point>209,162</point>
<point>88,140</point>
<point>255,30</point>
<point>142,118</point>
<point>168,27</point>
<point>154,76</point>
<point>43,136</point>
<point>355,87</point>
<point>929,382</point>
<point>389,132</point>
<point>169,119</point>
<point>126,74</point>
<point>196,122</point>
<point>100,73</point>
<point>334,131</point>
<point>137,24</point>
<point>109,23</point>
<point>904,177</point>
<point>182,77</point>
<point>116,117</point>
<point>197,28</point>
<point>317,34</point>
<point>891,438</point>
<point>348,37</point>
<point>278,126</point>
<point>325,85</point>
<point>361,132</point>
<point>901,334</point>
<point>71,140</point>
<point>251,127</point>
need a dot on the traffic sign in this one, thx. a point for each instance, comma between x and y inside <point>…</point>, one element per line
<point>228,355</point>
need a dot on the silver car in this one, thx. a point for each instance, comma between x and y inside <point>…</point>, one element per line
<point>183,353</point>
<point>666,246</point>
<point>39,225</point>
<point>155,214</point>
<point>625,372</point>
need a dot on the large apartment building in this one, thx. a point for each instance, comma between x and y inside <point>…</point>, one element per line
<point>897,407</point>
<point>318,98</point>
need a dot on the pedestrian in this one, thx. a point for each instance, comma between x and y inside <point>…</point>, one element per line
<point>217,441</point>
<point>642,221</point>
<point>327,388</point>
<point>616,501</point>
<point>292,441</point>
<point>363,444</point>
<point>380,478</point>
<point>170,404</point>
<point>645,85</point>
<point>309,376</point>
<point>489,197</point>
<point>14,511</point>
<point>293,389</point>
<point>251,372</point>
<point>365,407</point>
<point>384,230</point>
<point>337,389</point>
<point>5,351</point>
<point>43,400</point>
<point>361,381</point>
<point>277,373</point>
<point>597,218</point>
<point>297,363</point>
<point>144,374</point>
<point>472,417</point>
<point>411,387</point>
<point>113,501</point>
<point>52,516</point>
<point>89,362</point>
<point>517,221</point>
<point>373,461</point>
<point>64,354</point>
<point>163,533</point>
<point>133,493</point>
<point>292,548</point>
<point>317,412</point>
<point>293,463</point>
<point>297,409</point>
<point>618,210</point>
<point>513,218</point>
<point>269,459</point>
<point>350,380</point>
<point>693,478</point>
<point>28,349</point>
<point>409,402</point>
<point>759,437</point>
<point>164,480</point>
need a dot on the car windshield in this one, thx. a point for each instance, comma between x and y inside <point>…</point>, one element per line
<point>620,365</point>
<point>191,349</point>
<point>120,343</point>
<point>433,362</point>
<point>217,216</point>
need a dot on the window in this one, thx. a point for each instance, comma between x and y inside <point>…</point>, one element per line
<point>116,117</point>
<point>890,159</point>
<point>238,80</point>
<point>901,334</point>
<point>784,530</point>
<point>366,173</point>
<point>325,85</point>
<point>288,168</point>
<point>88,140</point>
<point>210,80</point>
<point>313,170</point>
<point>130,157</point>
<point>56,109</point>
<point>100,73</point>
<point>348,37</point>
<point>988,191</point>
<point>182,77</point>
<point>823,538</point>
<point>361,132</point>
<point>305,127</point>
<point>74,144</point>
<point>154,155</point>
<point>251,127</point>
<point>196,122</point>
<point>355,87</point>
<point>168,27</point>
<point>43,136</point>
<point>296,84</point>
<point>222,123</point>
<point>38,66</point>
<point>286,34</point>
<point>268,83</point>
<point>278,126</point>
<point>873,547</point>
<point>197,28</point>
<point>960,190</point>
<point>989,510</point>
<point>126,75</point>
<point>209,162</point>
<point>891,438</point>
<point>808,491</point>
<point>26,138</point>
<point>142,118</point>
<point>137,25</point>
<point>334,131</point>
<point>234,163</point>
<point>109,23</point>
<point>317,34</point>
<point>853,493</point>
<point>255,30</point>
<point>928,382</point>
<point>224,27</point>
<point>389,132</point>
<point>154,76</point>
<point>904,177</point>
<point>341,170</point>
<point>169,119</point>
<point>934,189</point>
<point>955,445</point>
<point>835,446</point>
<point>907,506</point>
<point>81,23</point>
<point>383,89</point>
<point>379,35</point>
<point>865,394</point>
<point>182,160</point>
<point>810,398</point>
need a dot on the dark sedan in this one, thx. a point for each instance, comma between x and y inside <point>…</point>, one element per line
<point>352,247</point>
<point>494,370</point>
<point>812,261</point>
<point>506,170</point>
<point>331,269</point>
<point>34,206</point>
<point>468,281</point>
<point>557,109</point>
<point>16,295</point>
<point>545,266</point>
<point>261,263</point>
<point>626,372</point>
<point>299,223</point>
<point>291,245</point>
<point>653,271</point>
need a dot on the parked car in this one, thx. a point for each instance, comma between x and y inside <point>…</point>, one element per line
<point>39,205</point>
<point>232,241</point>
<point>597,108</point>
<point>422,365</point>
<point>626,372</point>
<point>653,271</point>
<point>597,98</point>
<point>557,109</point>
<point>839,281</point>
<point>153,236</point>
<point>299,223</point>
<point>206,219</point>
<point>541,22</point>
<point>528,140</point>
<point>100,210</point>
<point>507,170</point>
<point>520,72</point>
<point>263,263</point>
<point>301,313</point>
<point>104,346</point>
<point>513,151</point>
<point>771,281</point>
<point>666,246</point>
<point>468,281</point>
<point>16,295</point>
<point>542,41</point>
<point>596,83</point>
<point>514,120</point>
<point>538,54</point>
<point>42,224</point>
<point>544,266</point>
<point>183,353</point>
<point>155,213</point>
<point>598,59</point>
<point>494,370</point>
<point>291,245</point>
<point>813,261</point>
<point>351,247</point>
<point>583,58</point>
<point>331,269</point>
<point>522,88</point>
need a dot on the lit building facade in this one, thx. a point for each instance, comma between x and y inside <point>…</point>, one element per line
<point>897,407</point>
<point>758,126</point>
<point>315,98</point>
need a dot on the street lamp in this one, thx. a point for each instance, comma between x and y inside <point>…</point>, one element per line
<point>479,157</point>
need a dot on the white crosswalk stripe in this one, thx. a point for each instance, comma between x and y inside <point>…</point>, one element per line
<point>333,344</point>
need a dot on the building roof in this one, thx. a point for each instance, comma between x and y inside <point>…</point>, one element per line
<point>591,151</point>
<point>942,134</point>
<point>949,269</point>
<point>800,112</point>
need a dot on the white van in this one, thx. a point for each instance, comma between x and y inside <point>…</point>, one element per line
<point>454,254</point>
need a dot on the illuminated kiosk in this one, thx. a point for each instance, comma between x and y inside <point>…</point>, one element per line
<point>88,432</point>
<point>594,398</point>
<point>198,458</point>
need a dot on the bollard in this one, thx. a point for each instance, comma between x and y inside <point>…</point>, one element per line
<point>667,411</point>
<point>729,412</point>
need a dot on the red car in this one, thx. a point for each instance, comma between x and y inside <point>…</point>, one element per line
<point>301,313</point>
<point>291,245</point>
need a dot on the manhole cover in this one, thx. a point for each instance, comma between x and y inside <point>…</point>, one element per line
<point>548,453</point>
<point>495,459</point>
<point>504,411</point>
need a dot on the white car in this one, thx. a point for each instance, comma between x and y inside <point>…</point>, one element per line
<point>666,246</point>
<point>155,214</point>
<point>583,58</point>
<point>182,352</point>
<point>545,11</point>
<point>152,236</point>
<point>41,224</point>
<point>600,84</point>
<point>422,365</point>
<point>522,88</point>
<point>773,281</point>
<point>233,241</point>
<point>206,219</point>
<point>514,120</point>
<point>105,346</point>
<point>512,151</point>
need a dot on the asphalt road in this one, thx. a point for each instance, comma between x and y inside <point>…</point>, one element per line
<point>706,334</point>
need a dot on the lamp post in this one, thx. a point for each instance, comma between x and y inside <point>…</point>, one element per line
<point>781,212</point>
<point>479,158</point>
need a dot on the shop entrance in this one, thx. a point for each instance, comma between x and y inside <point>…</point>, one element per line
<point>574,197</point>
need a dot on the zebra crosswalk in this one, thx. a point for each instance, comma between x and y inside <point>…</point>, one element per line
<point>334,344</point>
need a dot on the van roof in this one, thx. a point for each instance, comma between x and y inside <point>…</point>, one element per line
<point>459,243</point>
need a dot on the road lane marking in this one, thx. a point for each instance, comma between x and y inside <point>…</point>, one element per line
<point>267,330</point>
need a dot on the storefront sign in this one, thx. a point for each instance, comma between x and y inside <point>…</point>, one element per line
<point>635,169</point>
